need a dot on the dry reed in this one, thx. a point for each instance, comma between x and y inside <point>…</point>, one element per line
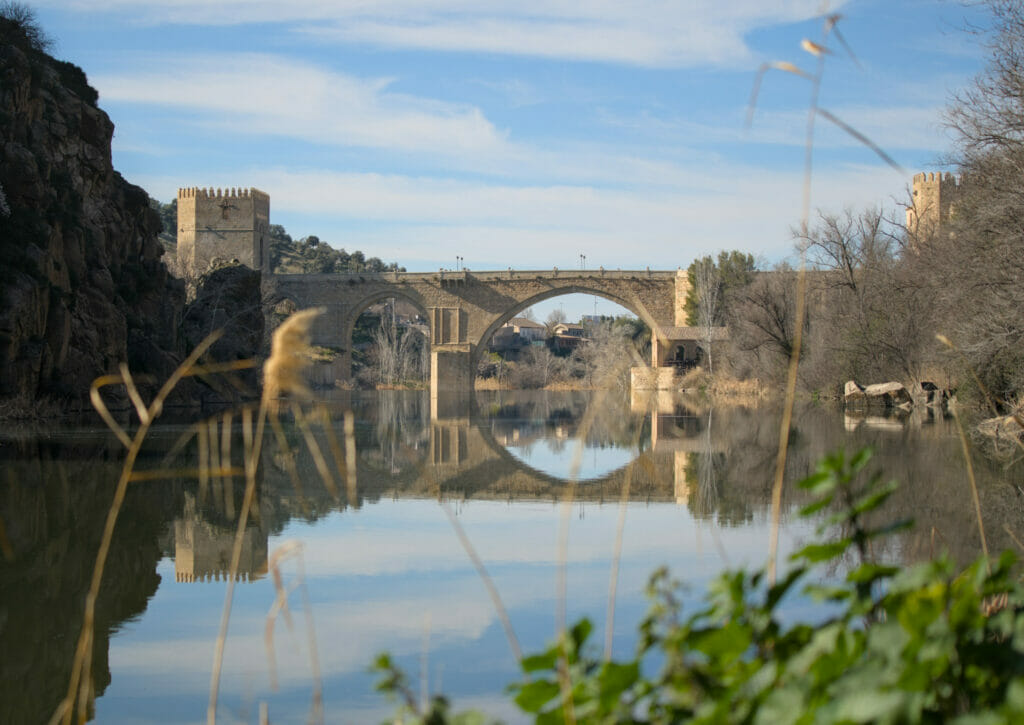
<point>819,51</point>
<point>80,685</point>
<point>282,377</point>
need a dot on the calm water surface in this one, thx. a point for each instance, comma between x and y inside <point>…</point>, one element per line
<point>381,563</point>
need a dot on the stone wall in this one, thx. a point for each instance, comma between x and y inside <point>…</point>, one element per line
<point>934,197</point>
<point>221,224</point>
<point>647,378</point>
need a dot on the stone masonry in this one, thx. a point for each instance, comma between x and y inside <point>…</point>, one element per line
<point>465,308</point>
<point>222,224</point>
<point>934,198</point>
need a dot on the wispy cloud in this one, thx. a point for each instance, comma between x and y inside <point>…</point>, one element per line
<point>653,33</point>
<point>891,127</point>
<point>421,219</point>
<point>272,95</point>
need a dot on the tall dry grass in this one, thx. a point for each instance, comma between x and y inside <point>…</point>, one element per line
<point>284,389</point>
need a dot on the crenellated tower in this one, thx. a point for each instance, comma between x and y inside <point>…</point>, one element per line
<point>934,200</point>
<point>222,224</point>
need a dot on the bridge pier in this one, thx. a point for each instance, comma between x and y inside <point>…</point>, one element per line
<point>450,369</point>
<point>451,381</point>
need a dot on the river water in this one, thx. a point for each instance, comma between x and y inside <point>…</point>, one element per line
<point>382,559</point>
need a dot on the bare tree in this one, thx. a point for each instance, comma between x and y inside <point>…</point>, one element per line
<point>979,256</point>
<point>708,286</point>
<point>873,316</point>
<point>555,317</point>
<point>401,352</point>
<point>988,115</point>
<point>761,324</point>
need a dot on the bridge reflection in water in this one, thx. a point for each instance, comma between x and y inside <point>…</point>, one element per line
<point>409,448</point>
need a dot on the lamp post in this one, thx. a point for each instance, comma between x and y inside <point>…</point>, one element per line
<point>583,261</point>
<point>458,262</point>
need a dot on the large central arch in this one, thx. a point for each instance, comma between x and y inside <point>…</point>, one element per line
<point>485,338</point>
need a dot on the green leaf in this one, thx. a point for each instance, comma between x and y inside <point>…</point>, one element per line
<point>544,661</point>
<point>614,679</point>
<point>876,498</point>
<point>868,706</point>
<point>778,591</point>
<point>783,705</point>
<point>819,482</point>
<point>536,694</point>
<point>870,573</point>
<point>470,717</point>
<point>860,459</point>
<point>815,553</point>
<point>579,633</point>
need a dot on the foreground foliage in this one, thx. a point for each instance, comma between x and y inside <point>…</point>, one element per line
<point>926,643</point>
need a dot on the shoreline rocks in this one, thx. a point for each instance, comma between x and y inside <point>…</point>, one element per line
<point>893,394</point>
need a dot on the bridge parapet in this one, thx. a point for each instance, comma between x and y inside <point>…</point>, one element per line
<point>482,276</point>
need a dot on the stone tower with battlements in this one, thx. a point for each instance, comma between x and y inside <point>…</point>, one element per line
<point>215,224</point>
<point>935,196</point>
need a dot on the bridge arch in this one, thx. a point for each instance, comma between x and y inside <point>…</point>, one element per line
<point>575,288</point>
<point>348,323</point>
<point>363,304</point>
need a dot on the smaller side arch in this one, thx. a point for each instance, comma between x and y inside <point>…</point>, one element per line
<point>364,303</point>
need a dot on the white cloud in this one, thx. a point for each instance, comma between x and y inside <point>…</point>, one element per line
<point>265,94</point>
<point>658,33</point>
<point>417,220</point>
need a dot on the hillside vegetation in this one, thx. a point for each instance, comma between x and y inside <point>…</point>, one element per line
<point>307,255</point>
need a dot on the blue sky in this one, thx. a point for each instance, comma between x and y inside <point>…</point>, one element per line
<point>521,133</point>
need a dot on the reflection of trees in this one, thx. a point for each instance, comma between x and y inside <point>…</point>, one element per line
<point>399,432</point>
<point>709,465</point>
<point>922,454</point>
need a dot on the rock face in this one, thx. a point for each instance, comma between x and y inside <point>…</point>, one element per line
<point>229,299</point>
<point>82,285</point>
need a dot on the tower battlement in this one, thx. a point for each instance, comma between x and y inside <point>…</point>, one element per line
<point>219,225</point>
<point>194,192</point>
<point>933,202</point>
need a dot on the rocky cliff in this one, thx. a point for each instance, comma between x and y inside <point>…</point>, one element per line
<point>82,284</point>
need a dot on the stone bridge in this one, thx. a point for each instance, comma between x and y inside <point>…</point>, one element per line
<point>463,309</point>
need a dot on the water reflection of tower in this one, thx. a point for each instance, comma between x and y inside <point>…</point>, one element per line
<point>202,549</point>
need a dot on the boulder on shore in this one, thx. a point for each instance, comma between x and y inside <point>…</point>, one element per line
<point>853,390</point>
<point>1006,426</point>
<point>929,393</point>
<point>890,394</point>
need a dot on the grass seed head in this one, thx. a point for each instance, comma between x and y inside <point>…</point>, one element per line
<point>290,353</point>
